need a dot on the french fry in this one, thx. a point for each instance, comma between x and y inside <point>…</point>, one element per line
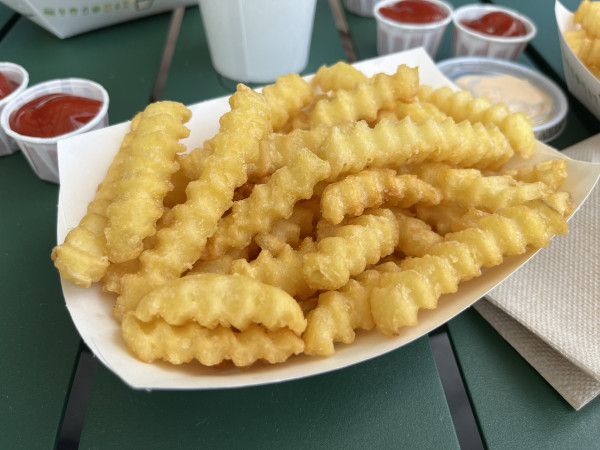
<point>318,210</point>
<point>462,106</point>
<point>372,188</point>
<point>179,246</point>
<point>367,98</point>
<point>158,340</point>
<point>365,240</point>
<point>145,179</point>
<point>397,300</point>
<point>269,202</point>
<point>82,256</point>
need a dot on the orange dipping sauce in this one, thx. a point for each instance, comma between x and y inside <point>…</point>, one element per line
<point>414,11</point>
<point>52,115</point>
<point>6,86</point>
<point>497,23</point>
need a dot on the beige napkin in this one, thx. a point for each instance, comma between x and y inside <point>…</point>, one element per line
<point>549,310</point>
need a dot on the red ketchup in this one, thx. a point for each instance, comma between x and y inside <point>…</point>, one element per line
<point>53,114</point>
<point>414,11</point>
<point>497,23</point>
<point>6,86</point>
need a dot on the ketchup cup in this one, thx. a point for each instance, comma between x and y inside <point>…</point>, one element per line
<point>41,152</point>
<point>470,42</point>
<point>394,36</point>
<point>18,77</point>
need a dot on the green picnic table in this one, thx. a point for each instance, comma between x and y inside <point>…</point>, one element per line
<point>54,394</point>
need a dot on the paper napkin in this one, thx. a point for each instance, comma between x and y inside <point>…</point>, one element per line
<point>549,310</point>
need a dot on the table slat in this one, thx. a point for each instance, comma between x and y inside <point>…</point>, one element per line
<point>515,406</point>
<point>6,14</point>
<point>394,401</point>
<point>39,344</point>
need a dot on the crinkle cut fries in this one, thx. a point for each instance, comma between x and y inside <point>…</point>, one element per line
<point>318,209</point>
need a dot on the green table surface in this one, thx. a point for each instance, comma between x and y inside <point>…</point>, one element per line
<point>39,344</point>
<point>393,401</point>
<point>396,399</point>
<point>390,402</point>
<point>6,15</point>
<point>513,405</point>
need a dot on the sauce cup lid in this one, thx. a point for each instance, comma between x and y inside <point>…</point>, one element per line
<point>547,126</point>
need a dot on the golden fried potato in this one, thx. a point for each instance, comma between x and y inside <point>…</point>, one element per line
<point>365,240</point>
<point>269,202</point>
<point>213,300</point>
<point>552,173</point>
<point>397,300</point>
<point>352,150</point>
<point>145,179</point>
<point>587,15</point>
<point>180,245</point>
<point>317,210</point>
<point>462,106</point>
<point>367,98</point>
<point>283,269</point>
<point>287,97</point>
<point>82,256</point>
<point>158,340</point>
<point>340,75</point>
<point>469,188</point>
<point>372,188</point>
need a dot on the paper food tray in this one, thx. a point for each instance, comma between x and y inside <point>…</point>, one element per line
<point>66,18</point>
<point>581,82</point>
<point>90,309</point>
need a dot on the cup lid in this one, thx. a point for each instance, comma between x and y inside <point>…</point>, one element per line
<point>520,88</point>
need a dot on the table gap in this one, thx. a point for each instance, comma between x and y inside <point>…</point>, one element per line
<point>459,404</point>
<point>343,30</point>
<point>167,54</point>
<point>78,401</point>
<point>10,23</point>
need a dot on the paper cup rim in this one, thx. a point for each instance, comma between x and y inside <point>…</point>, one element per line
<point>499,39</point>
<point>50,86</point>
<point>22,86</point>
<point>413,26</point>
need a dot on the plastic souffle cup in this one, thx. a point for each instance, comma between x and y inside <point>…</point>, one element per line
<point>19,76</point>
<point>257,41</point>
<point>394,36</point>
<point>41,153</point>
<point>468,42</point>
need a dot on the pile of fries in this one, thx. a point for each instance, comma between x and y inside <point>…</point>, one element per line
<point>318,209</point>
<point>585,40</point>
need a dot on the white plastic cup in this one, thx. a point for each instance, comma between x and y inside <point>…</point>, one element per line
<point>16,74</point>
<point>468,42</point>
<point>41,153</point>
<point>393,36</point>
<point>256,41</point>
<point>361,7</point>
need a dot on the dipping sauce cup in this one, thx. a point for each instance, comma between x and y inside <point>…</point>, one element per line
<point>41,152</point>
<point>473,41</point>
<point>17,79</point>
<point>394,35</point>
